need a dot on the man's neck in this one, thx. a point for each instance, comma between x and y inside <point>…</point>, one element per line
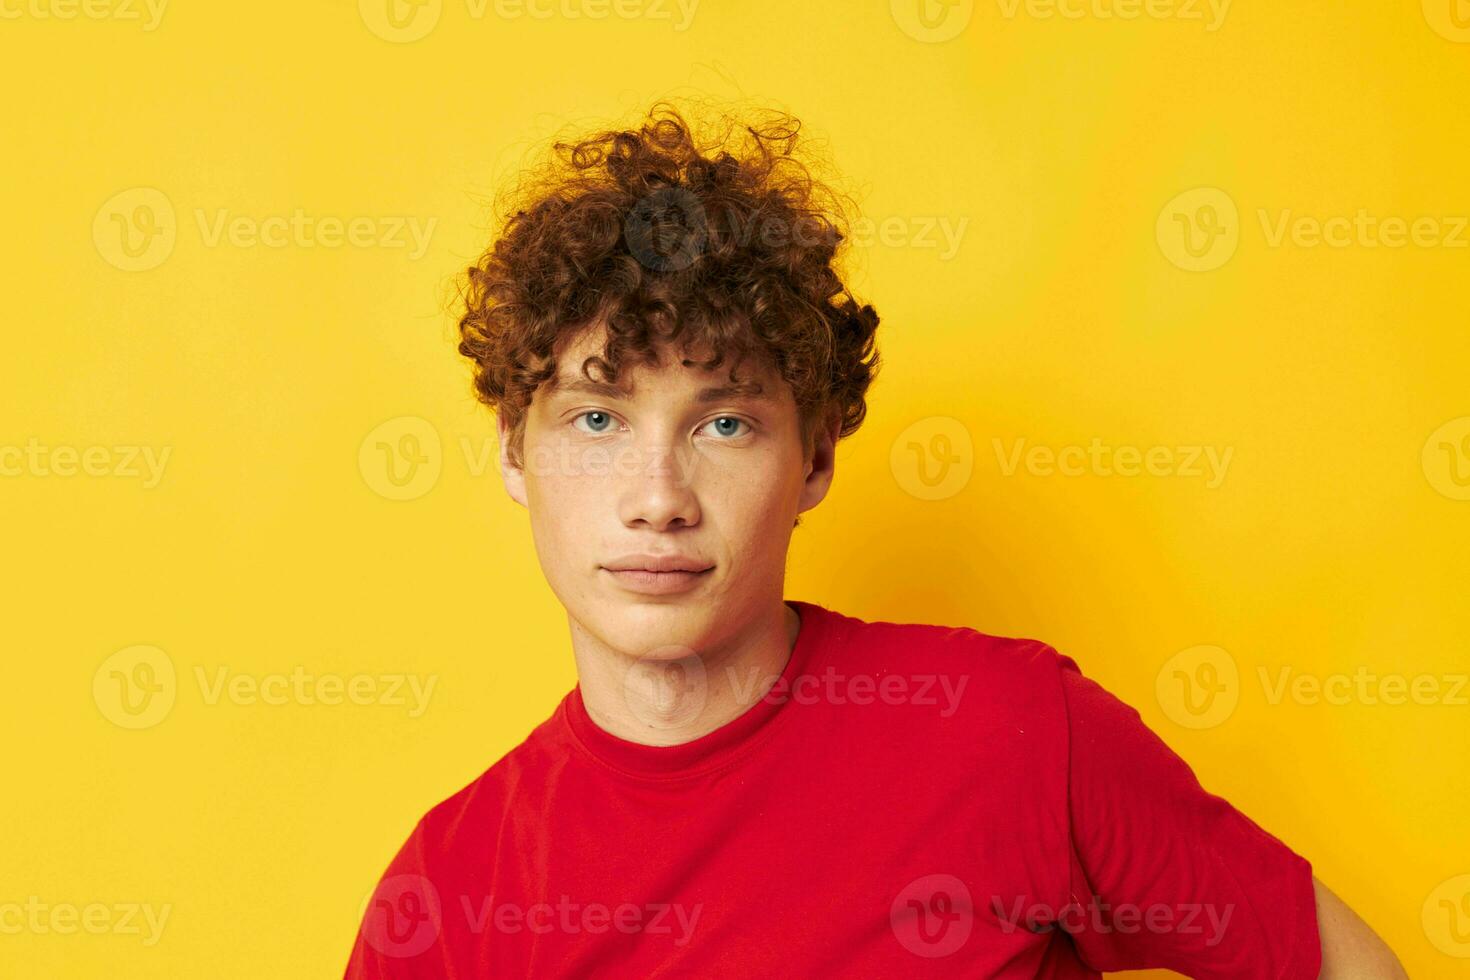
<point>661,701</point>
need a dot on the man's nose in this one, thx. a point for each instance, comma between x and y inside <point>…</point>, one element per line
<point>657,487</point>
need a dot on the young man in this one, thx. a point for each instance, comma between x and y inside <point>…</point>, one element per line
<point>742,786</point>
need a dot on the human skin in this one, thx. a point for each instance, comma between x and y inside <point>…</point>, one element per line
<point>654,471</point>
<point>666,476</point>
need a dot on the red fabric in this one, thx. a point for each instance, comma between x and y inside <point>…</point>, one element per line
<point>928,802</point>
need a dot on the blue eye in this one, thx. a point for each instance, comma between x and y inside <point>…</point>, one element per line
<point>727,426</point>
<point>603,421</point>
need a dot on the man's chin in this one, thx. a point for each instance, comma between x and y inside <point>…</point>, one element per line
<point>655,630</point>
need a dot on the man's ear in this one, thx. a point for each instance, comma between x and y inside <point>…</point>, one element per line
<point>513,476</point>
<point>822,465</point>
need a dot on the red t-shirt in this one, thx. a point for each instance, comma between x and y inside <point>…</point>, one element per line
<point>906,801</point>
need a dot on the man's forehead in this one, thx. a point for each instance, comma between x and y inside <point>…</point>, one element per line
<point>754,376</point>
<point>707,385</point>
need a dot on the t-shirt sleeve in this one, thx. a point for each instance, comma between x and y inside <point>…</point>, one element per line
<point>401,922</point>
<point>1165,874</point>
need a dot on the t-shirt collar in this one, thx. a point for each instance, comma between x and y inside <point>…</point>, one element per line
<point>714,749</point>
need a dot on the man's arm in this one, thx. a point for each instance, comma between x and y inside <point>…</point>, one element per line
<point>1351,950</point>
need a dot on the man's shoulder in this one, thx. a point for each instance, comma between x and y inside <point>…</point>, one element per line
<point>979,682</point>
<point>907,644</point>
<point>484,800</point>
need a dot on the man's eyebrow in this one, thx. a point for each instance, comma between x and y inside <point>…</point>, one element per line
<point>587,386</point>
<point>745,389</point>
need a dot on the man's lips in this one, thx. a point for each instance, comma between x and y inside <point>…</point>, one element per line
<point>652,575</point>
<point>657,563</point>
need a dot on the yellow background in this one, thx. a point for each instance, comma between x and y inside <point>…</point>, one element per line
<point>1337,539</point>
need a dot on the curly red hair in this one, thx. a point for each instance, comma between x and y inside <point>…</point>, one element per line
<point>665,239</point>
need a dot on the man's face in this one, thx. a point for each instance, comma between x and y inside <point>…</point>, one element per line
<point>674,467</point>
